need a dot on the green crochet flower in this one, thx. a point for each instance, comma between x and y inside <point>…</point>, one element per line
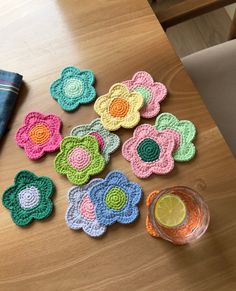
<point>79,159</point>
<point>187,131</point>
<point>29,197</point>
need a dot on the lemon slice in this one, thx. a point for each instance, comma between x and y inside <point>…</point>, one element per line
<point>170,210</point>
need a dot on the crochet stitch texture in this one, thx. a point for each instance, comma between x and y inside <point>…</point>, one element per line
<point>152,92</point>
<point>73,88</point>
<point>81,211</point>
<point>150,151</point>
<point>39,134</point>
<point>29,198</point>
<point>186,150</point>
<point>79,158</point>
<point>108,142</point>
<point>115,199</point>
<point>119,107</point>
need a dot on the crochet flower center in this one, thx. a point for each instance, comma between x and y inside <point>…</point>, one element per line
<point>39,134</point>
<point>115,198</point>
<point>148,150</point>
<point>119,107</point>
<point>144,92</point>
<point>86,208</point>
<point>99,139</point>
<point>73,87</point>
<point>79,158</point>
<point>29,197</point>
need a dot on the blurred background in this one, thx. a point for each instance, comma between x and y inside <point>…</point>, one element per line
<point>199,32</point>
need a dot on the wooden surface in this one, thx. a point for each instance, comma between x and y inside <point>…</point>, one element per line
<point>186,9</point>
<point>115,39</point>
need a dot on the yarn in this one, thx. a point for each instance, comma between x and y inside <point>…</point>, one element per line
<point>115,199</point>
<point>187,131</point>
<point>108,142</point>
<point>79,158</point>
<point>80,213</point>
<point>150,151</point>
<point>119,107</point>
<point>39,134</point>
<point>152,92</point>
<point>29,198</point>
<point>73,88</point>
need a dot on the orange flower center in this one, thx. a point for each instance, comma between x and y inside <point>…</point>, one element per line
<point>39,134</point>
<point>119,107</point>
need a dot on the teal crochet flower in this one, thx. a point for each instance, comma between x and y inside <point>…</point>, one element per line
<point>75,87</point>
<point>29,197</point>
<point>186,150</point>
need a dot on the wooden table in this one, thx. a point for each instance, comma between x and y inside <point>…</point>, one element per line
<point>114,39</point>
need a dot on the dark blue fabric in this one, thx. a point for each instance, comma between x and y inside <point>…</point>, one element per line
<point>9,89</point>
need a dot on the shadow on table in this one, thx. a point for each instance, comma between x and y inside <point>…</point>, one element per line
<point>201,261</point>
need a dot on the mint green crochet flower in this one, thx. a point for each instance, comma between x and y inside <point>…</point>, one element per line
<point>108,142</point>
<point>29,197</point>
<point>79,159</point>
<point>186,150</point>
<point>73,88</point>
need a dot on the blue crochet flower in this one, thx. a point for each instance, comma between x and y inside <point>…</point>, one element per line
<point>80,212</point>
<point>73,88</point>
<point>115,199</point>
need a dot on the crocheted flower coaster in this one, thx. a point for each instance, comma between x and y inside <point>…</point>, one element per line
<point>108,142</point>
<point>39,134</point>
<point>79,159</point>
<point>81,210</point>
<point>149,226</point>
<point>119,107</point>
<point>115,199</point>
<point>187,131</point>
<point>152,92</point>
<point>73,88</point>
<point>150,151</point>
<point>29,197</point>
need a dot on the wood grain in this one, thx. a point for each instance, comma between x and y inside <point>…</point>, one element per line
<point>186,9</point>
<point>115,39</point>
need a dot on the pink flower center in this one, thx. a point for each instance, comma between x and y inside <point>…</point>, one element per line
<point>86,209</point>
<point>99,139</point>
<point>79,158</point>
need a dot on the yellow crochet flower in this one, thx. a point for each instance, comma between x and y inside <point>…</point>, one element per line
<point>119,107</point>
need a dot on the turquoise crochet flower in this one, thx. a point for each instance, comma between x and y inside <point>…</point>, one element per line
<point>29,197</point>
<point>75,87</point>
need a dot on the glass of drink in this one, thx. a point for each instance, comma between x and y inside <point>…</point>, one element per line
<point>177,214</point>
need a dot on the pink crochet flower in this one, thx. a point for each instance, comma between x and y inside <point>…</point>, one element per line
<point>152,92</point>
<point>150,151</point>
<point>39,134</point>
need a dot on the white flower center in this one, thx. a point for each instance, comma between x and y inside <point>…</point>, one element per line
<point>29,197</point>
